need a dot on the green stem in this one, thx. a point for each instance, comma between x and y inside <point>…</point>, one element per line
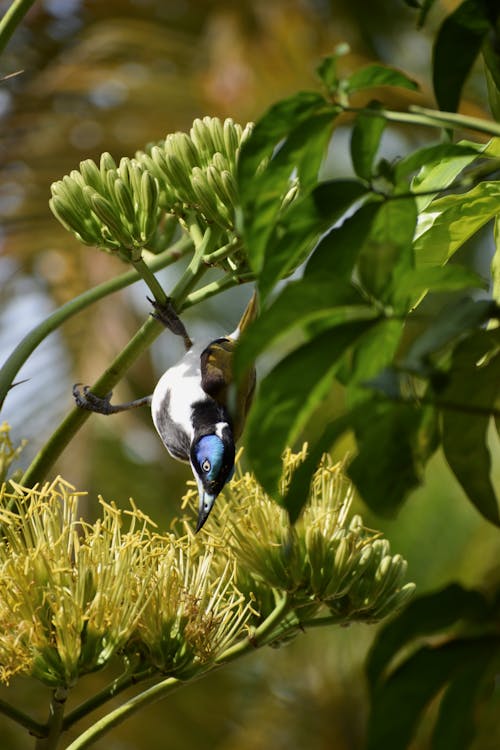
<point>29,343</point>
<point>432,118</point>
<point>148,332</point>
<point>11,20</point>
<point>101,726</point>
<point>33,727</point>
<point>256,639</point>
<point>148,276</point>
<point>109,692</point>
<point>55,722</point>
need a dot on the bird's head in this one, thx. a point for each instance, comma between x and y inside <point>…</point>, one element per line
<point>212,461</point>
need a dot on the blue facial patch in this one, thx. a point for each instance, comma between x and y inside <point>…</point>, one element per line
<point>210,453</point>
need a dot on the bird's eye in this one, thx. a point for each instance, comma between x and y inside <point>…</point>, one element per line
<point>206,465</point>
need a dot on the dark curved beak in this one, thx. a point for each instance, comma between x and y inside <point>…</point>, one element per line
<point>205,505</point>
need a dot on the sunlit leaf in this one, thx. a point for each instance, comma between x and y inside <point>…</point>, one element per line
<point>375,75</point>
<point>429,613</point>
<point>289,394</point>
<point>430,157</point>
<point>413,685</point>
<point>365,139</point>
<point>452,220</point>
<point>456,47</point>
<point>471,393</point>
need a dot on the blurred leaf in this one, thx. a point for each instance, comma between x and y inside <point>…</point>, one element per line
<point>301,225</point>
<point>456,47</point>
<point>375,75</point>
<point>429,613</point>
<point>492,72</point>
<point>495,263</point>
<point>374,350</point>
<point>426,6</point>
<point>452,220</point>
<point>454,321</point>
<point>472,384</point>
<point>299,303</point>
<point>301,121</point>
<point>457,720</point>
<point>388,250</point>
<point>365,139</point>
<point>288,396</point>
<point>394,442</point>
<point>413,685</point>
<point>327,69</point>
<point>417,281</point>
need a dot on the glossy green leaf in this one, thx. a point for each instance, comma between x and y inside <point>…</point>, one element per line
<point>452,220</point>
<point>430,157</point>
<point>427,614</point>
<point>376,75</point>
<point>472,392</point>
<point>301,226</point>
<point>388,249</point>
<point>299,303</point>
<point>365,140</point>
<point>414,684</point>
<point>291,136</point>
<point>394,441</point>
<point>456,47</point>
<point>458,717</point>
<point>288,396</point>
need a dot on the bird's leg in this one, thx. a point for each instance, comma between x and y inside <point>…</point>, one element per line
<point>87,400</point>
<point>165,313</point>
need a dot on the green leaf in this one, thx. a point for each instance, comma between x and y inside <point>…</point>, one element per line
<point>376,75</point>
<point>288,396</point>
<point>472,385</point>
<point>302,224</point>
<point>374,351</point>
<point>452,220</point>
<point>300,302</point>
<point>327,69</point>
<point>495,263</point>
<point>337,251</point>
<point>430,157</point>
<point>457,45</point>
<point>457,720</point>
<point>365,139</point>
<point>394,442</point>
<point>430,613</point>
<point>452,323</point>
<point>388,250</point>
<point>418,281</point>
<point>292,135</point>
<point>492,71</point>
<point>413,685</point>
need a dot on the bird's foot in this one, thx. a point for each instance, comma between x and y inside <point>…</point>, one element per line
<point>165,313</point>
<point>87,400</point>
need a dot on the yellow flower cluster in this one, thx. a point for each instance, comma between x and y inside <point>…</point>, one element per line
<point>73,594</point>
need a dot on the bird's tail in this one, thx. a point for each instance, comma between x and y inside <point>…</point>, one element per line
<point>250,314</point>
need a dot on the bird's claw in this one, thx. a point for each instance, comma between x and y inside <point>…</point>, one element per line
<point>165,313</point>
<point>87,400</point>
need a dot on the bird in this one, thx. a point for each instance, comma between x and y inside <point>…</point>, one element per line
<point>197,408</point>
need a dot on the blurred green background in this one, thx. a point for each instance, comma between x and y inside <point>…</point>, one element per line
<point>112,76</point>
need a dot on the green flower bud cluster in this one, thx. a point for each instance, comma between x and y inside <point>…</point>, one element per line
<point>324,561</point>
<point>112,207</point>
<point>196,171</point>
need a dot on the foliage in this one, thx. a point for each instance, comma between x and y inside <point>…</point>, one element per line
<point>383,307</point>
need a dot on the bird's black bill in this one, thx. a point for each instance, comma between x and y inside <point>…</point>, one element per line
<point>206,503</point>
